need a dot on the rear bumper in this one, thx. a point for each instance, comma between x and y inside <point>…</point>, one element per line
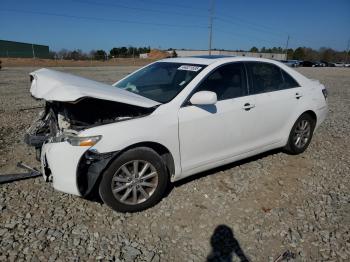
<point>60,161</point>
<point>321,114</point>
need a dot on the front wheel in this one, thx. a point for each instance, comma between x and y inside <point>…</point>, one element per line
<point>300,135</point>
<point>135,181</point>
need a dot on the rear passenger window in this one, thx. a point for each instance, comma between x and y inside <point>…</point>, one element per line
<point>228,81</point>
<point>264,77</point>
<point>289,81</point>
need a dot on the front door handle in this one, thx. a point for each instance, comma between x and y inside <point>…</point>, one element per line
<point>298,95</point>
<point>248,106</point>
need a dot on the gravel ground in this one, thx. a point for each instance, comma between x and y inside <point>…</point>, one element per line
<point>251,210</point>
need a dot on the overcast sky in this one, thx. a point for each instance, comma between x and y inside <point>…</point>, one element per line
<point>237,24</point>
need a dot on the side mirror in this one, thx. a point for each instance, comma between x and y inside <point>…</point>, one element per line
<point>204,98</point>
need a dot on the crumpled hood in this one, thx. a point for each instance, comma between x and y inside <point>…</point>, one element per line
<point>53,85</point>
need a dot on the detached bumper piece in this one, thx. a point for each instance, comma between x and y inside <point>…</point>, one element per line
<point>15,177</point>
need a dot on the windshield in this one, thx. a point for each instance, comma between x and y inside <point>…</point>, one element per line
<point>161,81</point>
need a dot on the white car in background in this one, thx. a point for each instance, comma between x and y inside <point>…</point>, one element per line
<point>339,64</point>
<point>167,121</point>
<point>291,63</point>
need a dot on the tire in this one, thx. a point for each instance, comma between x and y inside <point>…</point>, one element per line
<point>120,179</point>
<point>297,146</point>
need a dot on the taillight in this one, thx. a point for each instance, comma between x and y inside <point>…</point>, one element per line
<point>325,93</point>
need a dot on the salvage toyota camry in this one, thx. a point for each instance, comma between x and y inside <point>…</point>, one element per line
<point>167,121</point>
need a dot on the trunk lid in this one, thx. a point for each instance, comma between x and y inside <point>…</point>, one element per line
<point>52,85</point>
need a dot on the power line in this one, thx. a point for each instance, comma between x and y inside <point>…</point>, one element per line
<point>243,35</point>
<point>173,5</point>
<point>100,19</point>
<point>137,8</point>
<point>255,28</point>
<point>249,22</point>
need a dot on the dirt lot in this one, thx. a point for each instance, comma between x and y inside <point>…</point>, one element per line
<point>266,205</point>
<point>18,62</point>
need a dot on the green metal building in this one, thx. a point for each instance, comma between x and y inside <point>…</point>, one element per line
<point>23,50</point>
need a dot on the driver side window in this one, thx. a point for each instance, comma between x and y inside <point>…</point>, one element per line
<point>227,81</point>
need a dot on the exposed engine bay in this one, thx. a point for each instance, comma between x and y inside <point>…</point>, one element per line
<point>60,119</point>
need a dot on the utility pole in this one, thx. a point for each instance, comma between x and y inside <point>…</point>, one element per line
<point>211,13</point>
<point>287,47</point>
<point>33,51</point>
<point>347,52</point>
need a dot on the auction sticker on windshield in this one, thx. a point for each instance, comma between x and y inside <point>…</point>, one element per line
<point>190,68</point>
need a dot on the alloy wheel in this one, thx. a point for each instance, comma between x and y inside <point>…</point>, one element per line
<point>134,182</point>
<point>302,133</point>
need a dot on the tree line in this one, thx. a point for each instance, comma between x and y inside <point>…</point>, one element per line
<point>300,53</point>
<point>100,54</point>
<point>308,54</point>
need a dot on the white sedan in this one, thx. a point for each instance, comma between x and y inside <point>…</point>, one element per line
<point>167,121</point>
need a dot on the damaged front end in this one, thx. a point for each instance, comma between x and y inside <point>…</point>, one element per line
<point>62,121</point>
<point>68,159</point>
<point>42,129</point>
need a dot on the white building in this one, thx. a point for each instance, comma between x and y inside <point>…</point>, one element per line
<point>186,52</point>
<point>145,55</point>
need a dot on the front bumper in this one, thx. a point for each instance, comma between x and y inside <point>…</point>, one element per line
<point>73,169</point>
<point>60,161</point>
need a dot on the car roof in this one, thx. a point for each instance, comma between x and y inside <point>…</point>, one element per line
<point>207,60</point>
<point>212,56</point>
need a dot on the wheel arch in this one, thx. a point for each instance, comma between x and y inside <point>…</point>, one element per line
<point>289,148</point>
<point>287,129</point>
<point>160,149</point>
<point>88,186</point>
<point>312,114</point>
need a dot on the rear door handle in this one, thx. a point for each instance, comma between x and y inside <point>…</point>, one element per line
<point>248,106</point>
<point>298,95</point>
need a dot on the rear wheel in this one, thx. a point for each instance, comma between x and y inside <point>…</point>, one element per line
<point>301,134</point>
<point>135,181</point>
